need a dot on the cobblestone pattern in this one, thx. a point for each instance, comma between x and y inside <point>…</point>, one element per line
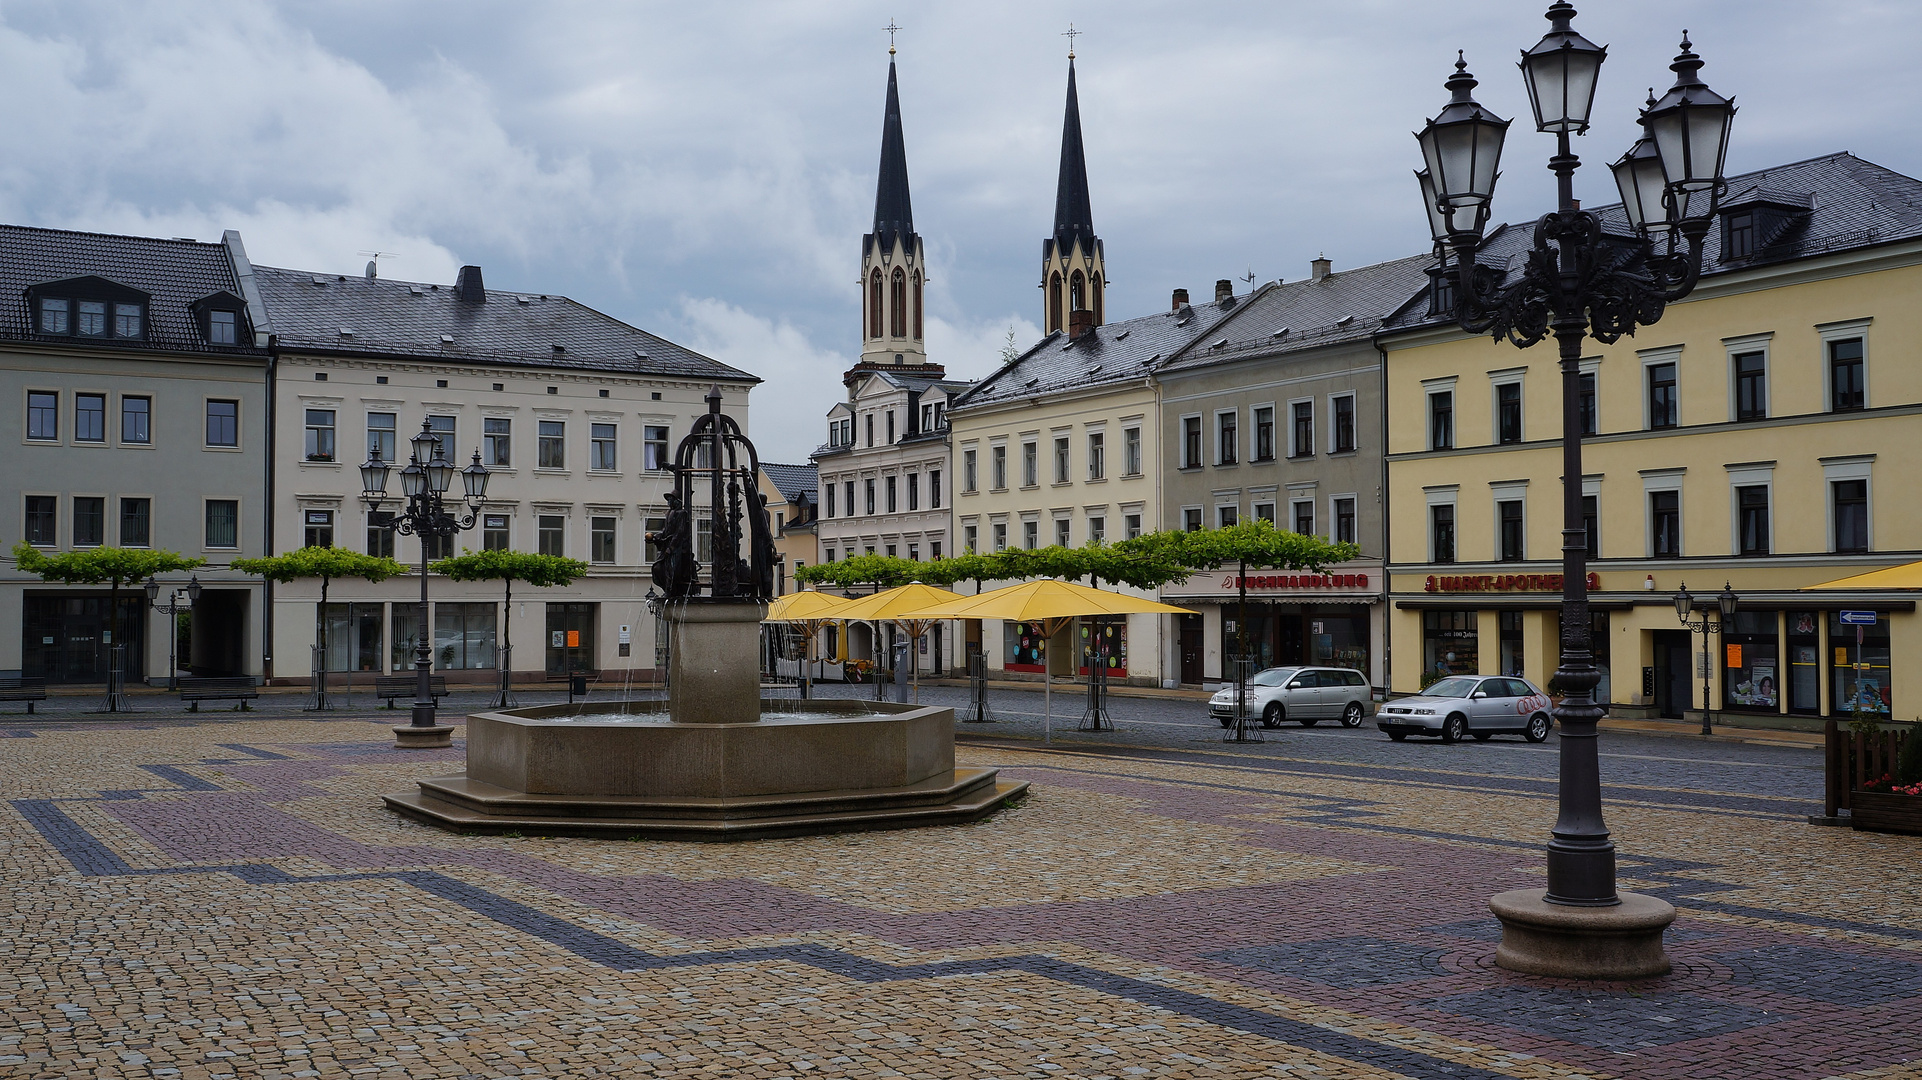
<point>227,898</point>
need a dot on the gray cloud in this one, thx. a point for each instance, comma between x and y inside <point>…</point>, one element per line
<point>706,170</point>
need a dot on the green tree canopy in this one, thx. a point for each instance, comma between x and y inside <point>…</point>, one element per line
<point>112,566</point>
<point>541,570</point>
<point>325,563</point>
<point>1254,542</point>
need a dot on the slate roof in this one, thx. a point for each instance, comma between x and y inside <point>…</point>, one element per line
<point>407,319</point>
<point>793,481</point>
<point>174,273</point>
<point>1115,353</point>
<point>1344,306</point>
<point>1854,204</point>
<point>916,384</point>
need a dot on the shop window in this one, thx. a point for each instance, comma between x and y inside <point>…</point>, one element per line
<point>1751,675</point>
<point>1025,646</point>
<point>463,636</point>
<point>353,636</point>
<point>1860,680</point>
<point>1104,643</point>
<point>1805,662</point>
<point>1510,643</point>
<point>1449,642</point>
<point>1598,647</point>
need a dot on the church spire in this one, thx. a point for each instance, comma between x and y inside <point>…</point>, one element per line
<point>893,210</point>
<point>1072,213</point>
<point>1073,276</point>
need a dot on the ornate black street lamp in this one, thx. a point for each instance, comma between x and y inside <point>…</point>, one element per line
<point>1706,625</point>
<point>1579,280</point>
<point>172,609</point>
<point>424,512</point>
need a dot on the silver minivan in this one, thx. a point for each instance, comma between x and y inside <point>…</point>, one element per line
<point>1306,695</point>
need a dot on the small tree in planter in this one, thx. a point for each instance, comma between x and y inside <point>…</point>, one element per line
<point>325,563</point>
<point>507,567</point>
<point>109,566</point>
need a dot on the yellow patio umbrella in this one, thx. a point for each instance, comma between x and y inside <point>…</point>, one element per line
<point>1908,576</point>
<point>812,610</point>
<point>902,606</point>
<point>1053,604</point>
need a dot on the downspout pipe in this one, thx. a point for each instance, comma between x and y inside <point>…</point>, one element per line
<point>267,541</point>
<point>1384,503</point>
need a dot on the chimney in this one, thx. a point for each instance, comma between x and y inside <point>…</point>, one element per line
<point>1080,323</point>
<point>1181,298</point>
<point>468,286</point>
<point>1224,290</point>
<point>1320,268</point>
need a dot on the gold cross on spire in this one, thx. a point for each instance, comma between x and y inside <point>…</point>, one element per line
<point>892,30</point>
<point>1071,35</point>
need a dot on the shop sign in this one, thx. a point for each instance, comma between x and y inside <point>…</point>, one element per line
<point>1504,583</point>
<point>1232,582</point>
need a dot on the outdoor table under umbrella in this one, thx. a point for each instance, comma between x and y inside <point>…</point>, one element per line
<point>811,611</point>
<point>903,606</point>
<point>1053,604</point>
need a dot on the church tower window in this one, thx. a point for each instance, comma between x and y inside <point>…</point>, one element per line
<point>898,307</point>
<point>917,305</point>
<point>1054,303</point>
<point>874,305</point>
<point>1077,293</point>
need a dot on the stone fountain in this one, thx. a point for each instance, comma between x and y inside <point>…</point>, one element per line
<point>718,762</point>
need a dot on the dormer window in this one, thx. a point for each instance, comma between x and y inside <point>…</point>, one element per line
<point>220,321</point>
<point>90,307</point>
<point>222,327</point>
<point>1739,241</point>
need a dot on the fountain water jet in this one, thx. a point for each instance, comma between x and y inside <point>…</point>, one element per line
<point>709,766</point>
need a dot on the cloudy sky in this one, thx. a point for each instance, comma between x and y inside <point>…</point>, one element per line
<point>706,170</point>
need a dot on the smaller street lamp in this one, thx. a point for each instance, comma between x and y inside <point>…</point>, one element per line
<point>424,512</point>
<point>1708,624</point>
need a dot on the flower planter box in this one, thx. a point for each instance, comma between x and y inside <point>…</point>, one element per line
<point>1881,811</point>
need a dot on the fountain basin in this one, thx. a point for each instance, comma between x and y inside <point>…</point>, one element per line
<point>628,771</point>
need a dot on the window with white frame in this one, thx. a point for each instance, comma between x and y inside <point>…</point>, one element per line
<point>1851,521</point>
<point>1264,416</point>
<point>1303,513</point>
<point>1440,395</point>
<point>1264,511</point>
<point>1000,530</point>
<point>601,455</point>
<point>1131,451</point>
<point>1506,392</point>
<point>1097,529</point>
<point>1060,459</point>
<point>1191,518</point>
<point>1130,526</point>
<point>1662,494</point>
<point>1748,376</point>
<point>970,470</point>
<point>1097,461</point>
<point>1031,534</point>
<point>1661,401</point>
<point>1301,441</point>
<point>1063,532</point>
<point>1342,430</point>
<point>654,449</point>
<point>1441,522</point>
<point>1227,515</point>
<point>1845,361</point>
<point>1342,508</point>
<point>1030,464</point>
<point>1191,442</point>
<point>1227,437</point>
<point>1751,494</point>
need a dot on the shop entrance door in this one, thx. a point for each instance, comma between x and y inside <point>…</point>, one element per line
<point>1674,672</point>
<point>1191,649</point>
<point>1290,644</point>
<point>64,637</point>
<point>570,638</point>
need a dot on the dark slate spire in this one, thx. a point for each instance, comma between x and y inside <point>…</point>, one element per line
<point>893,211</point>
<point>1072,214</point>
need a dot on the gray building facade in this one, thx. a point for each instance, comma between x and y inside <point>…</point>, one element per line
<point>1277,413</point>
<point>135,415</point>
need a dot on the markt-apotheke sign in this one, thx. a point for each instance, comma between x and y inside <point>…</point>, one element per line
<point>1503,583</point>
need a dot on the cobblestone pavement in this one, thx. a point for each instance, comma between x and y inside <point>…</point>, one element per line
<point>224,896</point>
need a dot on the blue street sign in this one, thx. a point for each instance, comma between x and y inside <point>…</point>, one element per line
<point>1858,618</point>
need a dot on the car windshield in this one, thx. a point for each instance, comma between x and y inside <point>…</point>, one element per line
<point>1450,688</point>
<point>1274,676</point>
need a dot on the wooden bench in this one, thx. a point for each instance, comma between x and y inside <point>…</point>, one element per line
<point>28,689</point>
<point>218,688</point>
<point>406,686</point>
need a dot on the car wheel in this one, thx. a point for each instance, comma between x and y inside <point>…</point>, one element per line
<point>1271,716</point>
<point>1454,729</point>
<point>1398,735</point>
<point>1537,730</point>
<point>1351,716</point>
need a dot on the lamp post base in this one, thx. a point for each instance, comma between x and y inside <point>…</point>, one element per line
<point>1562,942</point>
<point>409,737</point>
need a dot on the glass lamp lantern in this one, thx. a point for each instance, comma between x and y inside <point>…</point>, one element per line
<point>474,480</point>
<point>424,444</point>
<point>1462,147</point>
<point>1727,601</point>
<point>413,480</point>
<point>1690,126</point>
<point>1437,221</point>
<point>193,589</point>
<point>1561,72</point>
<point>152,589</point>
<point>373,477</point>
<point>440,471</point>
<point>1639,177</point>
<point>1684,604</point>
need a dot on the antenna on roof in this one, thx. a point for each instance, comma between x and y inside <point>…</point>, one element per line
<point>373,258</point>
<point>1249,277</point>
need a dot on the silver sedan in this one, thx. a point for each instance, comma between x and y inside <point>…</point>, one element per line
<point>1463,705</point>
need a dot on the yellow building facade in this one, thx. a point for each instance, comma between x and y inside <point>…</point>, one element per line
<point>1758,436</point>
